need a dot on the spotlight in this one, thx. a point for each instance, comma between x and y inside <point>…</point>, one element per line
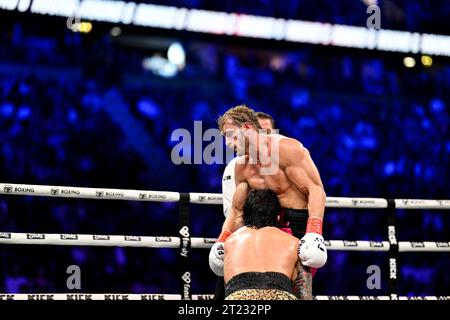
<point>85,27</point>
<point>176,55</point>
<point>116,31</point>
<point>409,62</point>
<point>427,61</point>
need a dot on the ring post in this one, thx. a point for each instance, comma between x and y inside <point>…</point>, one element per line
<point>393,250</point>
<point>185,246</point>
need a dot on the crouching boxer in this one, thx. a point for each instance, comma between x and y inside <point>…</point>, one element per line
<point>261,262</point>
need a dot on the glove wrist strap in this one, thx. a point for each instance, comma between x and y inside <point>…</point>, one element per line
<point>314,225</point>
<point>223,236</point>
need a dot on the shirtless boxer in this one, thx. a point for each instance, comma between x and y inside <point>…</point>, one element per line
<point>296,181</point>
<point>228,181</point>
<point>261,261</point>
<point>229,187</point>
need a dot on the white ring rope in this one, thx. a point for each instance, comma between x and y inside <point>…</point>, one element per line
<point>200,198</point>
<point>381,298</point>
<point>100,240</point>
<point>198,243</point>
<point>88,193</point>
<point>98,296</point>
<point>153,296</point>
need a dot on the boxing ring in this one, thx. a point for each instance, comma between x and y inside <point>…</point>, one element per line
<point>184,242</point>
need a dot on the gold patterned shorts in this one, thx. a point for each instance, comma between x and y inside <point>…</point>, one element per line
<point>261,294</point>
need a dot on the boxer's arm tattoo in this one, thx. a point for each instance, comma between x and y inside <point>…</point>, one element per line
<point>302,285</point>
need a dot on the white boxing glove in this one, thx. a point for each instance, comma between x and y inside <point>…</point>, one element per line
<point>312,250</point>
<point>216,256</point>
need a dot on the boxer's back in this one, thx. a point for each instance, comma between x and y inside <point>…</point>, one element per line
<point>260,250</point>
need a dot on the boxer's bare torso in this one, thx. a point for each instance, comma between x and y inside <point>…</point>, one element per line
<point>293,178</point>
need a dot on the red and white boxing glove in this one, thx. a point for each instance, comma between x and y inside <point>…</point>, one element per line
<point>217,254</point>
<point>311,249</point>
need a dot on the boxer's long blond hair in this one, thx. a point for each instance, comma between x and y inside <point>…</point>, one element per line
<point>239,115</point>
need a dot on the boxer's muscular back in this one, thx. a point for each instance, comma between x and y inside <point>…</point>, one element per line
<point>260,250</point>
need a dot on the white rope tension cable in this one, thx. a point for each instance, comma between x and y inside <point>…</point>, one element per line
<point>199,243</point>
<point>200,198</point>
<point>88,193</point>
<point>153,296</point>
<point>100,240</point>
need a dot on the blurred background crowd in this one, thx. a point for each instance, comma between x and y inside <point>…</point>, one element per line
<point>86,110</point>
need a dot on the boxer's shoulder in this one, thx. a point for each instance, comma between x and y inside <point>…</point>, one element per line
<point>291,150</point>
<point>290,143</point>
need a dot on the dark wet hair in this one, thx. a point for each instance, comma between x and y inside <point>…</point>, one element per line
<point>263,115</point>
<point>261,209</point>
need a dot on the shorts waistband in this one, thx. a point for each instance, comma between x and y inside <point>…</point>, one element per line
<point>295,214</point>
<point>258,280</point>
<point>261,294</point>
<point>295,219</point>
